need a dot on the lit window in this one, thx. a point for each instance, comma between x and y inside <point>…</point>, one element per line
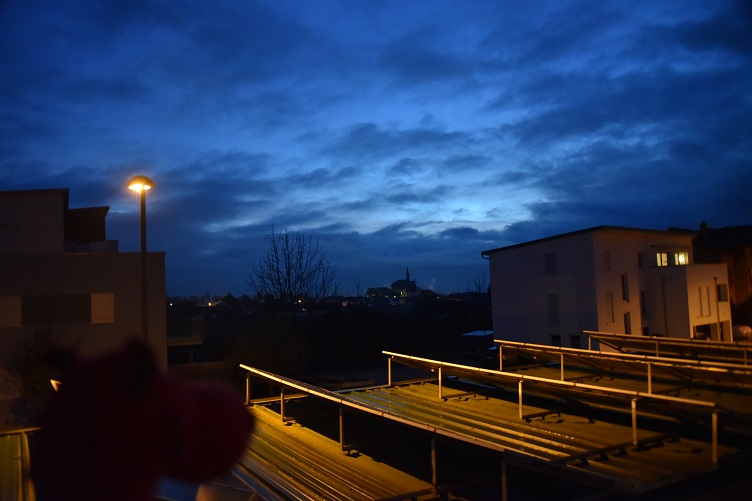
<point>681,258</point>
<point>661,259</point>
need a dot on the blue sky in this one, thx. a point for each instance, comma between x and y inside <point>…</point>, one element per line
<point>396,133</point>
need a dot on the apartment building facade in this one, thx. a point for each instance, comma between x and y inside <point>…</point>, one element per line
<point>608,279</point>
<point>59,274</point>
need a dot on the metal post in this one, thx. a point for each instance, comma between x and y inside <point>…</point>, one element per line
<point>519,390</point>
<point>441,395</point>
<point>389,371</point>
<point>504,495</point>
<point>434,479</point>
<point>282,402</point>
<point>715,437</point>
<point>144,302</point>
<point>561,363</point>
<point>501,360</point>
<point>342,428</point>
<point>247,388</point>
<point>634,422</point>
<point>650,378</point>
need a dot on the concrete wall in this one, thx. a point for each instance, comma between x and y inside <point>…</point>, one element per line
<point>64,279</point>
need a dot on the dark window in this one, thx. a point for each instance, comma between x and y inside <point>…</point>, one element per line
<point>640,260</point>
<point>550,262</point>
<point>574,340</point>
<point>627,323</point>
<point>56,309</point>
<point>555,340</point>
<point>723,292</point>
<point>644,305</point>
<point>553,309</point>
<point>625,287</point>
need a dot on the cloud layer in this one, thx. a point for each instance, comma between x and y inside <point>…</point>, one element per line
<point>397,134</point>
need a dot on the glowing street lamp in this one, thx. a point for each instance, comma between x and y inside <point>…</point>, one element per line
<point>141,184</point>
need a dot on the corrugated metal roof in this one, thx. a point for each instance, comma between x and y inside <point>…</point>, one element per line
<point>568,428</point>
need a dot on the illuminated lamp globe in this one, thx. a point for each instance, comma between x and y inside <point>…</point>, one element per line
<point>140,183</point>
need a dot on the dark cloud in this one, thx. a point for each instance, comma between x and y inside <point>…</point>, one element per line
<point>398,134</point>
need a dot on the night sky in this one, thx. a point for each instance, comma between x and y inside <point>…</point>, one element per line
<point>397,133</point>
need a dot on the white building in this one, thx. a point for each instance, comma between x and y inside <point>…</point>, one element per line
<point>608,279</point>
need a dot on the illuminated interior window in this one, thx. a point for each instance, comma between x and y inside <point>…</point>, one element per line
<point>661,259</point>
<point>681,258</point>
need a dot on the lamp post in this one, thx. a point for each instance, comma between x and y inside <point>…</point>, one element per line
<point>140,184</point>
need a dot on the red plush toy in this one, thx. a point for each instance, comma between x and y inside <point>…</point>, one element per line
<point>118,425</point>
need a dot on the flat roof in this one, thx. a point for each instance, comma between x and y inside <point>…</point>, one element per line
<point>587,230</point>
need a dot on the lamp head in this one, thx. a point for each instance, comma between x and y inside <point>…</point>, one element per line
<point>140,183</point>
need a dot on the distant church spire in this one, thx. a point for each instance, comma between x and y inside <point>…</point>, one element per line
<point>407,273</point>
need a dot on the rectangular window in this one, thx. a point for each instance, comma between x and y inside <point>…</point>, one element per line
<point>552,301</point>
<point>645,331</point>
<point>574,341</point>
<point>609,307</point>
<point>625,287</point>
<point>723,292</point>
<point>9,238</point>
<point>550,264</point>
<point>681,258</point>
<point>606,260</point>
<point>644,305</point>
<point>627,323</point>
<point>555,340</point>
<point>640,260</point>
<point>703,295</point>
<point>56,309</point>
<point>102,308</point>
<point>10,311</point>
<point>661,259</point>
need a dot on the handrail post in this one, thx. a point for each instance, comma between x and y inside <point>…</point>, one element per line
<point>434,476</point>
<point>650,378</point>
<point>504,495</point>
<point>282,402</point>
<point>634,422</point>
<point>389,371</point>
<point>501,360</point>
<point>247,387</point>
<point>519,390</point>
<point>561,363</point>
<point>715,436</point>
<point>441,395</point>
<point>342,428</point>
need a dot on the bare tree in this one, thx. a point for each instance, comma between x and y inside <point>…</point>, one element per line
<point>479,284</point>
<point>293,268</point>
